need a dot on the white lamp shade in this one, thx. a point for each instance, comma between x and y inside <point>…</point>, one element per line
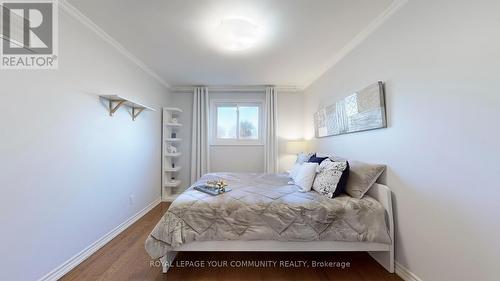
<point>296,146</point>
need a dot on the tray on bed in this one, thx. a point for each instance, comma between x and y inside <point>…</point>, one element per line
<point>211,190</point>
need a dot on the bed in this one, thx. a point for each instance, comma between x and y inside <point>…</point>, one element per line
<point>263,212</point>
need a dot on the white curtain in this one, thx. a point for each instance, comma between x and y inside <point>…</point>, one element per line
<point>199,142</point>
<point>271,156</point>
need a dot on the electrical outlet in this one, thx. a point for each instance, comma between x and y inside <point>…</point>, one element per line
<point>131,199</point>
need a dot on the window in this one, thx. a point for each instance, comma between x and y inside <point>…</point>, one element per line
<point>237,123</point>
<point>226,122</point>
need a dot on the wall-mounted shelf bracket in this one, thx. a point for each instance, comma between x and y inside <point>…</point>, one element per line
<point>113,109</point>
<point>115,102</point>
<point>136,112</point>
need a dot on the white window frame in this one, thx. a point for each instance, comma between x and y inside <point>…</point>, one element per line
<point>237,141</point>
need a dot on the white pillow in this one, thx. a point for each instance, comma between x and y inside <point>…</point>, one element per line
<point>295,169</point>
<point>304,177</point>
<point>303,157</point>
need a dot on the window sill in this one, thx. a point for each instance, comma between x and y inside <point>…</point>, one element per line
<point>237,144</point>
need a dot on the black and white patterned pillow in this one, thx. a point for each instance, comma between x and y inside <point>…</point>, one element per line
<point>331,178</point>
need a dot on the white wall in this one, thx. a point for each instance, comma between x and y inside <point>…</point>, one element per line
<point>67,169</point>
<point>441,61</point>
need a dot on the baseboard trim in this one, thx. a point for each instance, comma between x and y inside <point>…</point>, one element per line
<point>64,268</point>
<point>405,273</point>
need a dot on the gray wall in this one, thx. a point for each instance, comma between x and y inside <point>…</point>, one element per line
<point>67,169</point>
<point>440,60</point>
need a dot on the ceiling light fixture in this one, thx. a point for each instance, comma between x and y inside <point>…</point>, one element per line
<point>237,34</point>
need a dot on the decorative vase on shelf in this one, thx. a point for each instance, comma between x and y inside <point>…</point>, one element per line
<point>174,135</point>
<point>171,149</point>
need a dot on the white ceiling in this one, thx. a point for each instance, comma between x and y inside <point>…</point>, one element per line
<point>172,36</point>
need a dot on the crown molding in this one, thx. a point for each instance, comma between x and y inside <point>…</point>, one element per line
<point>359,38</point>
<point>236,88</point>
<point>332,61</point>
<point>75,13</point>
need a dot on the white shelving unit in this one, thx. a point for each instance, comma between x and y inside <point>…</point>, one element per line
<point>170,165</point>
<point>173,139</point>
<point>175,169</point>
<point>172,155</point>
<point>173,125</point>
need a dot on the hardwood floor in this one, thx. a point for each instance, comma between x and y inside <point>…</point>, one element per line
<point>124,258</point>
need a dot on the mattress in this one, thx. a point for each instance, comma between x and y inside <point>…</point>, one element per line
<point>265,207</point>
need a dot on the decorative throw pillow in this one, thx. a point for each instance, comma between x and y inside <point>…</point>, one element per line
<point>303,157</point>
<point>331,178</point>
<point>361,177</point>
<point>295,169</point>
<point>305,176</point>
<point>343,179</point>
<point>337,158</point>
<point>315,159</point>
